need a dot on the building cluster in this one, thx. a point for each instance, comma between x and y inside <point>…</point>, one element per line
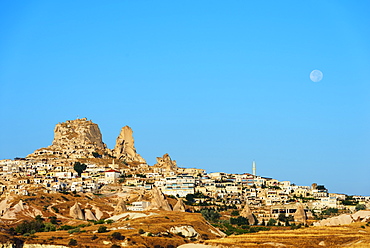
<point>215,188</point>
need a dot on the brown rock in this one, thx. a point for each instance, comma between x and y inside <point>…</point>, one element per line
<point>159,201</point>
<point>166,163</point>
<point>125,148</point>
<point>120,208</point>
<point>89,215</point>
<point>300,214</point>
<point>74,139</point>
<point>180,206</point>
<point>247,213</point>
<point>76,212</point>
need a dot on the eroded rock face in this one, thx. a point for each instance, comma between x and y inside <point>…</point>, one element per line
<point>247,213</point>
<point>180,206</point>
<point>300,214</point>
<point>159,201</point>
<point>186,231</point>
<point>74,139</point>
<point>20,208</point>
<point>89,215</point>
<point>166,163</point>
<point>120,208</point>
<point>76,212</point>
<point>345,219</point>
<point>125,148</point>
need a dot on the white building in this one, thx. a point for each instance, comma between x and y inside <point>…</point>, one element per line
<point>180,185</point>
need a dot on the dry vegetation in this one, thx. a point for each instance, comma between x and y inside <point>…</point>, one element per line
<point>342,236</point>
<point>152,230</point>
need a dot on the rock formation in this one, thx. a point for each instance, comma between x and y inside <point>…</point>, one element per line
<point>159,201</point>
<point>247,213</point>
<point>300,214</point>
<point>89,215</point>
<point>166,163</point>
<point>180,206</point>
<point>20,208</point>
<point>76,212</point>
<point>345,219</point>
<point>120,208</point>
<point>98,213</point>
<point>186,231</point>
<point>74,139</point>
<point>125,148</point>
<point>362,215</point>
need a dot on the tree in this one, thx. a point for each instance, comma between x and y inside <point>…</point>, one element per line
<point>210,215</point>
<point>360,207</point>
<point>330,211</point>
<point>33,226</point>
<point>235,213</point>
<point>271,222</point>
<point>79,168</point>
<point>49,227</point>
<point>53,220</point>
<point>320,187</point>
<point>239,221</point>
<point>284,218</point>
<point>189,198</point>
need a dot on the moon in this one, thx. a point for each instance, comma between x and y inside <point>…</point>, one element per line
<point>316,76</point>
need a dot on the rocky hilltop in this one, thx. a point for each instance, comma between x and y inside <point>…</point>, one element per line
<point>81,138</point>
<point>166,163</point>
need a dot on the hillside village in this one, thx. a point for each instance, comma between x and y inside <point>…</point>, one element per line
<point>79,142</point>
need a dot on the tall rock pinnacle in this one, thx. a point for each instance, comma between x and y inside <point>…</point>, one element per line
<point>125,148</point>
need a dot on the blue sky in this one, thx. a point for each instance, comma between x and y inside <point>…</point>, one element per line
<point>216,84</point>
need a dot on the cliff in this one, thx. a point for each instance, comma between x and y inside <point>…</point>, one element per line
<point>78,138</point>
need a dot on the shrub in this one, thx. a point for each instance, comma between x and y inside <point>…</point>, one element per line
<point>210,215</point>
<point>75,230</point>
<point>66,227</point>
<point>141,231</point>
<point>102,229</point>
<point>56,210</point>
<point>118,236</point>
<point>29,226</point>
<point>204,236</point>
<point>53,220</point>
<point>239,221</point>
<point>102,221</point>
<point>115,246</point>
<point>72,242</point>
<point>49,227</point>
<point>94,237</point>
<point>330,211</point>
<point>235,213</point>
<point>360,207</point>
